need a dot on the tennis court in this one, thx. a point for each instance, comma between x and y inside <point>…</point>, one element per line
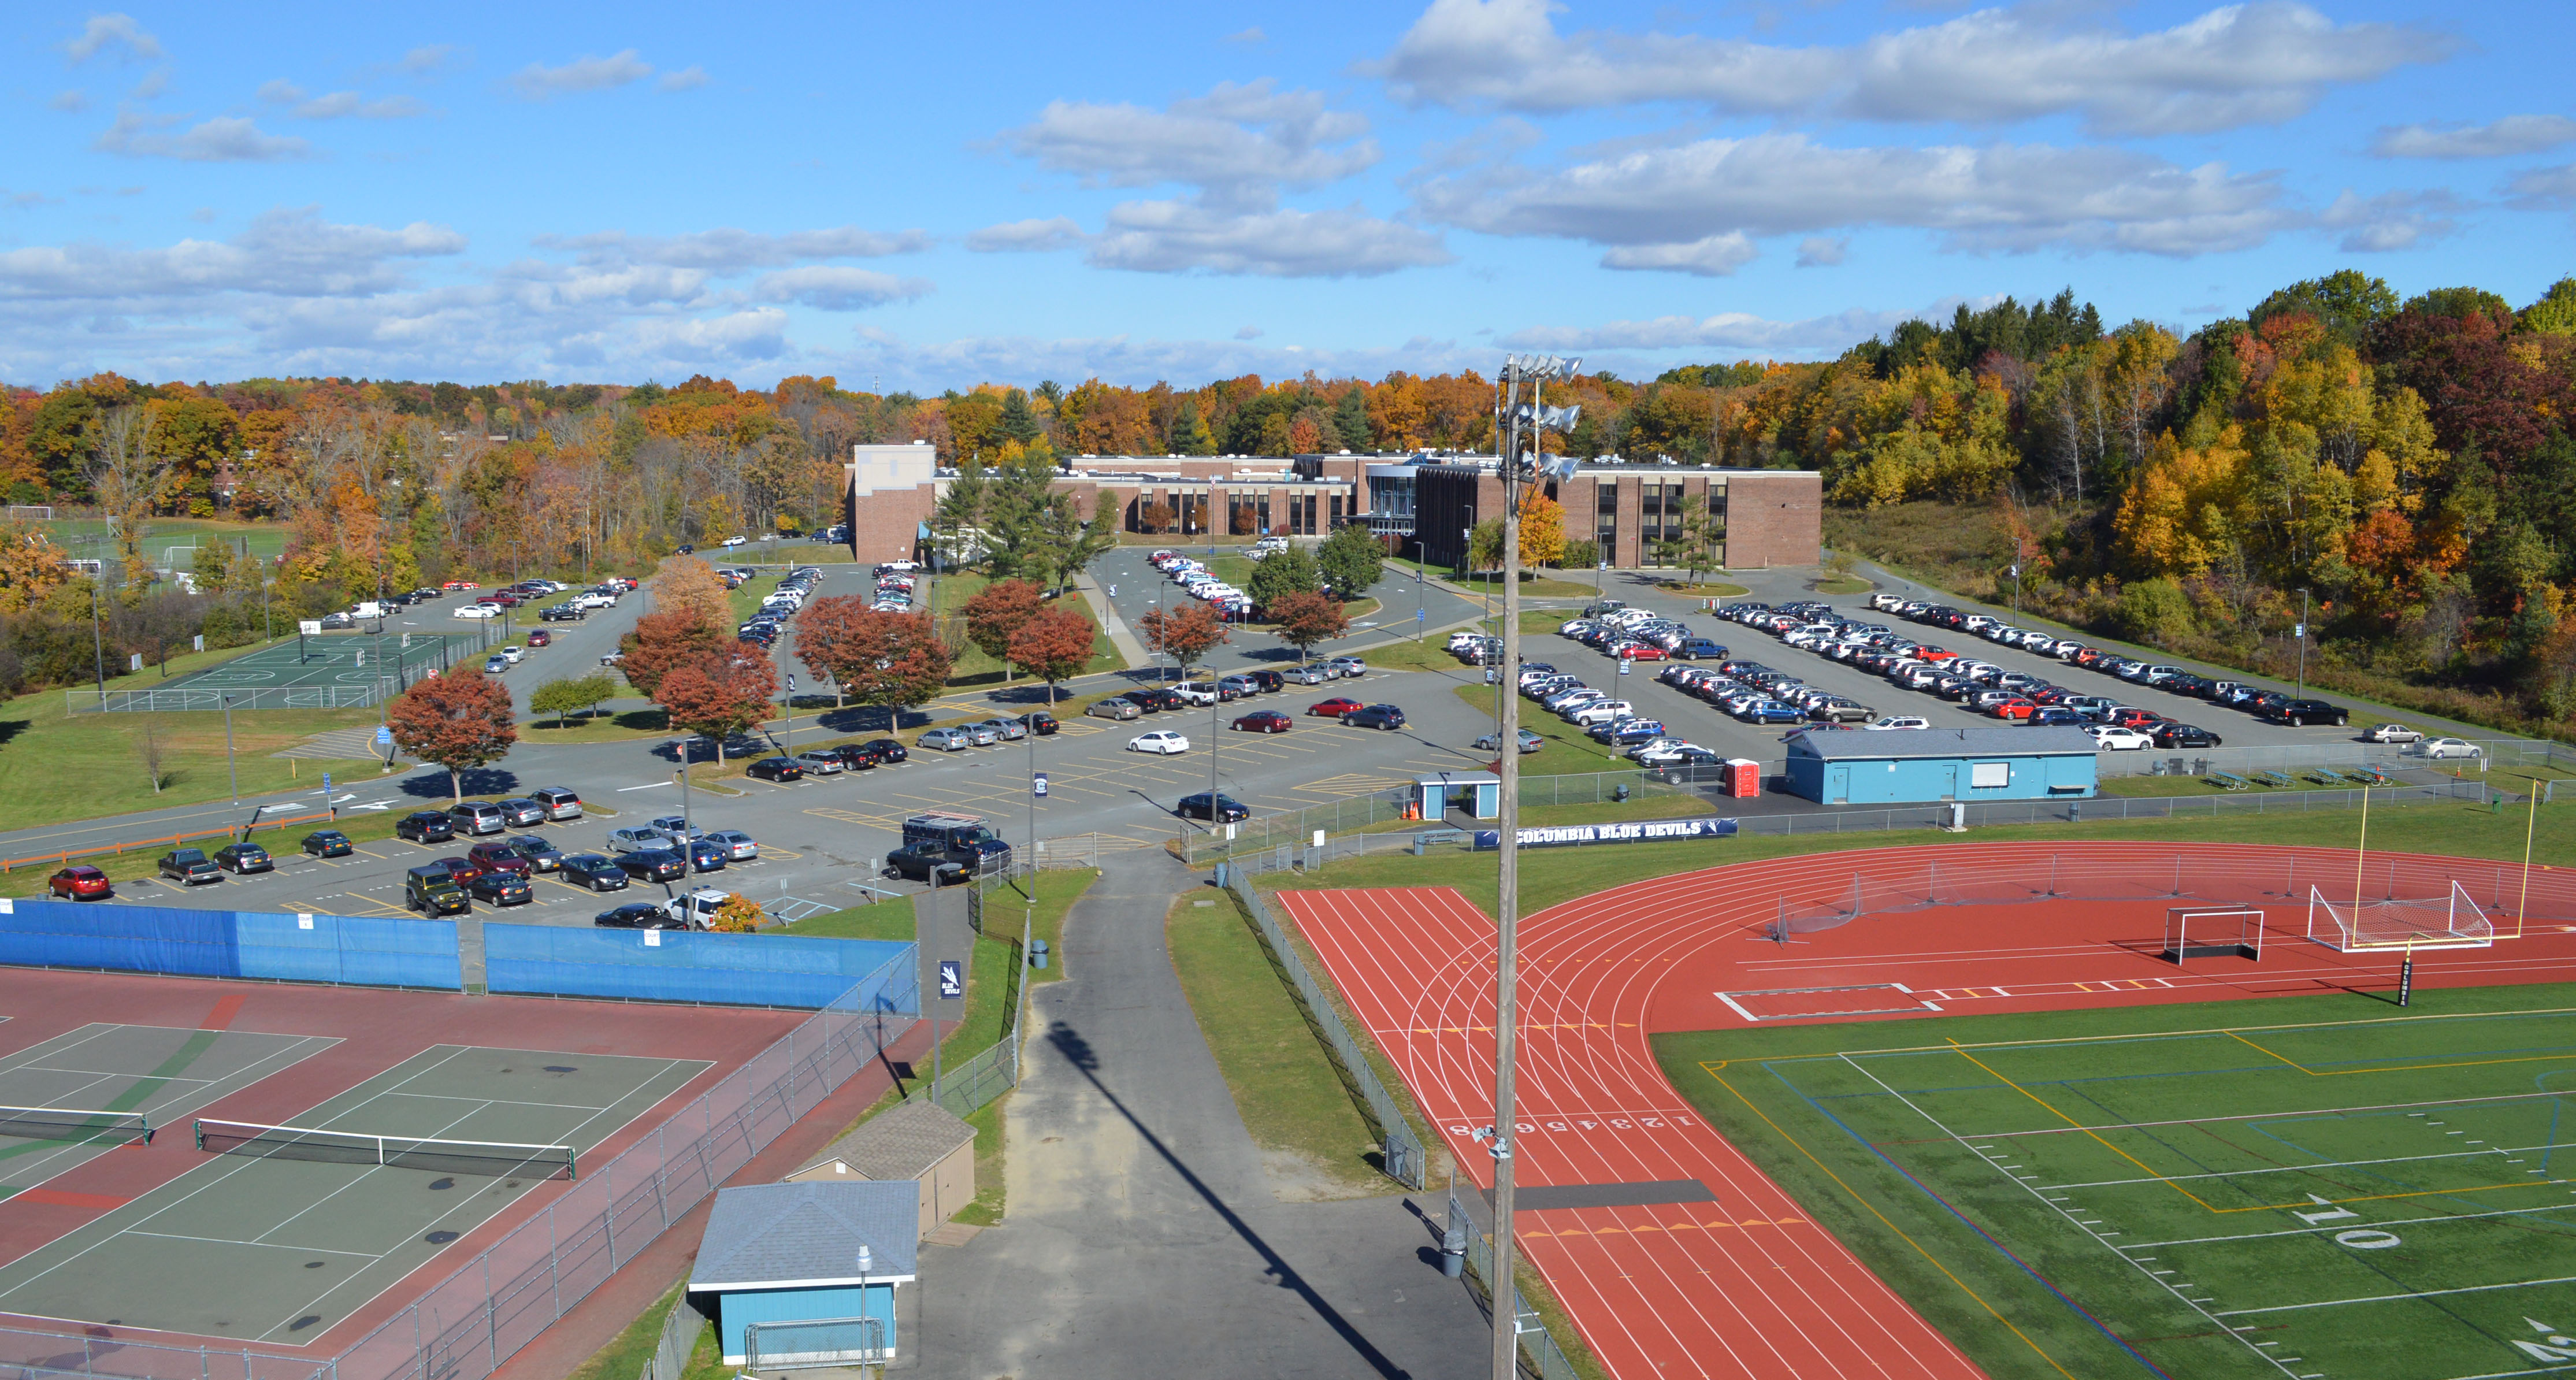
<point>279,1232</point>
<point>141,1077</point>
<point>2318,1187</point>
<point>343,670</point>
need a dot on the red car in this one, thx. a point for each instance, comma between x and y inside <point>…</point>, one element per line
<point>460,584</point>
<point>459,870</point>
<point>496,856</point>
<point>1335,707</point>
<point>80,884</point>
<point>2125,717</point>
<point>1934,655</point>
<point>1644,651</point>
<point>1264,721</point>
<point>541,638</point>
<point>2015,710</point>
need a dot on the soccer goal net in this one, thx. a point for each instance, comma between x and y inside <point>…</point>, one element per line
<point>31,512</point>
<point>2448,921</point>
<point>2205,932</point>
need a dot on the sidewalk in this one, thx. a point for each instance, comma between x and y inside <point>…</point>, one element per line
<point>1119,637</point>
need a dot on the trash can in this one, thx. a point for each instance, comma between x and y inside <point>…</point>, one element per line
<point>1037,953</point>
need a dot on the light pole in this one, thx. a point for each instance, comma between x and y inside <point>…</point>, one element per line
<point>2302,631</point>
<point>232,765</point>
<point>1533,420</point>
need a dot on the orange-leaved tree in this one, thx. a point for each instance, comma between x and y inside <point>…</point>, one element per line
<point>826,636</point>
<point>1184,634</point>
<point>1306,619</point>
<point>1054,646</point>
<point>893,660</point>
<point>460,721</point>
<point>661,641</point>
<point>720,693</point>
<point>993,615</point>
<point>687,584</point>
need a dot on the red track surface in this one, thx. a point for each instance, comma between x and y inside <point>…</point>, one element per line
<point>1748,1285</point>
<point>377,1029</point>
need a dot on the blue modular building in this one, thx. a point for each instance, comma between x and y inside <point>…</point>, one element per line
<point>1918,765</point>
<point>804,1274</point>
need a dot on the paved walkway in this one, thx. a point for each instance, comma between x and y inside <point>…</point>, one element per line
<point>1144,1236</point>
<point>1120,637</point>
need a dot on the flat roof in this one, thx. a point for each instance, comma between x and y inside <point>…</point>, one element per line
<point>1909,744</point>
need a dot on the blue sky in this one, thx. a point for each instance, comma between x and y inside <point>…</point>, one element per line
<point>927,196</point>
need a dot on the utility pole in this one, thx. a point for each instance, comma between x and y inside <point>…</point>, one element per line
<point>2302,631</point>
<point>234,766</point>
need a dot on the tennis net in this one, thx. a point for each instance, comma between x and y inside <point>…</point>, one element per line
<point>490,1159</point>
<point>74,1125</point>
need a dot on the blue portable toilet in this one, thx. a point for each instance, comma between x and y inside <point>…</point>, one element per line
<point>1910,766</point>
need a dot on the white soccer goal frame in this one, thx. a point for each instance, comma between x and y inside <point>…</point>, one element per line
<point>2242,939</point>
<point>2347,928</point>
<point>18,511</point>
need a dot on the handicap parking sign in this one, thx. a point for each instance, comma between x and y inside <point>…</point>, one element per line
<point>384,736</point>
<point>952,979</point>
<point>1037,785</point>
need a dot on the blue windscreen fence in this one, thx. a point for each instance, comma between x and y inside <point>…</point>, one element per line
<point>688,966</point>
<point>357,950</point>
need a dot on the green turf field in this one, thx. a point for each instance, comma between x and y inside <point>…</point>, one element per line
<point>2304,1187</point>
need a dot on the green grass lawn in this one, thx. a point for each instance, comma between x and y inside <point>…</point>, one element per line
<point>1286,1086</point>
<point>2203,1187</point>
<point>949,597</point>
<point>624,1356</point>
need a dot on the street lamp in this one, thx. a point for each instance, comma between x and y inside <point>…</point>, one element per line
<point>234,766</point>
<point>1532,420</point>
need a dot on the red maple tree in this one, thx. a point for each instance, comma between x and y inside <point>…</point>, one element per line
<point>720,693</point>
<point>1305,619</point>
<point>661,641</point>
<point>460,721</point>
<point>894,660</point>
<point>1054,646</point>
<point>997,612</point>
<point>1184,634</point>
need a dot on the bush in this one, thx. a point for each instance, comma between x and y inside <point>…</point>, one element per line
<point>2154,611</point>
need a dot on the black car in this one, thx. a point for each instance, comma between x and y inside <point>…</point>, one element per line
<point>1228,809</point>
<point>1381,716</point>
<point>2171,735</point>
<point>1147,701</point>
<point>654,865</point>
<point>636,915</point>
<point>426,826</point>
<point>593,871</point>
<point>885,750</point>
<point>500,888</point>
<point>924,862</point>
<point>1039,722</point>
<point>541,855</point>
<point>560,613</point>
<point>2301,713</point>
<point>240,858</point>
<point>328,843</point>
<point>775,769</point>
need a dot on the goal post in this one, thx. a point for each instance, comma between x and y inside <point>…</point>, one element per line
<point>31,512</point>
<point>2448,921</point>
<point>2206,932</point>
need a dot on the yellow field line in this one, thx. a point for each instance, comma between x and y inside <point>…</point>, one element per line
<point>2394,1068</point>
<point>1963,1053</point>
<point>2178,1034</point>
<point>1934,1260</point>
<point>2384,1197</point>
<point>2249,1044</point>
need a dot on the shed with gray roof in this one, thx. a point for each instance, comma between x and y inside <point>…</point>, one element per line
<point>1916,765</point>
<point>808,1271</point>
<point>921,1141</point>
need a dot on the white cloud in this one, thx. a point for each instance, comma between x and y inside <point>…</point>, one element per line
<point>833,287</point>
<point>1183,237</point>
<point>2514,134</point>
<point>1237,143</point>
<point>1716,256</point>
<point>433,57</point>
<point>113,31</point>
<point>537,82</point>
<point>68,102</point>
<point>1027,236</point>
<point>1247,333</point>
<point>2392,220</point>
<point>224,139</point>
<point>283,253</point>
<point>1829,334</point>
<point>338,105</point>
<point>1820,251</point>
<point>686,79</point>
<point>2255,63</point>
<point>152,85</point>
<point>1995,197</point>
<point>733,251</point>
<point>1248,37</point>
<point>2546,189</point>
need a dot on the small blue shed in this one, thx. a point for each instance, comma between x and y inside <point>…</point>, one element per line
<point>1915,765</point>
<point>807,1271</point>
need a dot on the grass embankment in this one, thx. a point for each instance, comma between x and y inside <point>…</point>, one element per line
<point>59,765</point>
<point>1841,584</point>
<point>974,669</point>
<point>1534,583</point>
<point>992,985</point>
<point>624,1356</point>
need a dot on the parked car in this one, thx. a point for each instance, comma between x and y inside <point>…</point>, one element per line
<point>2173,735</point>
<point>2392,733</point>
<point>654,864</point>
<point>707,855</point>
<point>1162,740</point>
<point>188,866</point>
<point>637,839</point>
<point>1227,809</point>
<point>637,915</point>
<point>1310,674</point>
<point>924,862</point>
<point>242,858</point>
<point>822,761</point>
<point>1898,721</point>
<point>738,846</point>
<point>327,843</point>
<point>1335,707</point>
<point>80,883</point>
<point>2300,713</point>
<point>775,769</point>
<point>1377,716</point>
<point>1037,721</point>
<point>425,826</point>
<point>1264,721</point>
<point>431,891</point>
<point>1004,730</point>
<point>594,872</point>
<point>496,855</point>
<point>875,752</point>
<point>519,812</point>
<point>1115,708</point>
<point>501,888</point>
<point>478,817</point>
<point>2112,738</point>
<point>946,740</point>
<point>2441,748</point>
<point>1350,666</point>
<point>1493,742</point>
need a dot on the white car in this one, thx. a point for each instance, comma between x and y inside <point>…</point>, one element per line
<point>477,611</point>
<point>697,910</point>
<point>1161,740</point>
<point>1196,692</point>
<point>514,654</point>
<point>2392,733</point>
<point>2440,748</point>
<point>730,542</point>
<point>2110,738</point>
<point>1600,711</point>
<point>1896,721</point>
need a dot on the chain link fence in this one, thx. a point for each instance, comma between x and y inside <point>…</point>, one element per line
<point>1540,1355</point>
<point>212,700</point>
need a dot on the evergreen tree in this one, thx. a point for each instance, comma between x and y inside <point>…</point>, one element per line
<point>1019,420</point>
<point>1189,433</point>
<point>1350,422</point>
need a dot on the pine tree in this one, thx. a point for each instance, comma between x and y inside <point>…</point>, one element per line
<point>1190,434</point>
<point>1019,420</point>
<point>1350,422</point>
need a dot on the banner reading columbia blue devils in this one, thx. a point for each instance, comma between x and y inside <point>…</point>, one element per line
<point>1632,831</point>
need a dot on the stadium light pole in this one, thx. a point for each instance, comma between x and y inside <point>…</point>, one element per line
<point>1534,421</point>
<point>232,765</point>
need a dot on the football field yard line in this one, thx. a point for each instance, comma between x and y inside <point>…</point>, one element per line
<point>2052,1111</point>
<point>2135,1037</point>
<point>2400,1298</point>
<point>2258,1116</point>
<point>2298,1168</point>
<point>2444,1219</point>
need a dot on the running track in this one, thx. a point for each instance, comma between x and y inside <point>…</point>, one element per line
<point>1748,1285</point>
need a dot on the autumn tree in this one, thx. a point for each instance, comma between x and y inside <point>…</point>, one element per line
<point>720,693</point>
<point>996,612</point>
<point>1053,646</point>
<point>1542,530</point>
<point>661,641</point>
<point>1183,634</point>
<point>460,721</point>
<point>686,584</point>
<point>739,914</point>
<point>1307,618</point>
<point>894,660</point>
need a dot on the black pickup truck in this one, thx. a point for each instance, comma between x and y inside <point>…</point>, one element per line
<point>191,866</point>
